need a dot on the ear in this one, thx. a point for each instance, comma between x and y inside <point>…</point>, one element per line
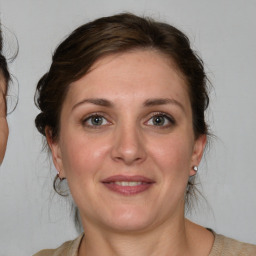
<point>198,151</point>
<point>56,152</point>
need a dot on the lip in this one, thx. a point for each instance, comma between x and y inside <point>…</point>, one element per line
<point>126,185</point>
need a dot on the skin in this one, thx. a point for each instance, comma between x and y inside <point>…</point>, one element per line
<point>4,131</point>
<point>128,142</point>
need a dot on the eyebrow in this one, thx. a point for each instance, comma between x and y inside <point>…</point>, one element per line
<point>163,101</point>
<point>147,103</point>
<point>99,102</point>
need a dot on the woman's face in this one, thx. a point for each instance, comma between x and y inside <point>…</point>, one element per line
<point>3,122</point>
<point>126,142</point>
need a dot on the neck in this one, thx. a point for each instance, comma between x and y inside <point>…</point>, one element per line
<point>166,239</point>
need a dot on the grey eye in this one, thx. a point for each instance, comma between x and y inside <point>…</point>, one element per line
<point>158,120</point>
<point>161,120</point>
<point>96,120</point>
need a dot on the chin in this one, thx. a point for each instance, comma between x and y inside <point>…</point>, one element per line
<point>129,219</point>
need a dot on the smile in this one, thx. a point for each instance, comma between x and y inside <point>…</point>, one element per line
<point>128,185</point>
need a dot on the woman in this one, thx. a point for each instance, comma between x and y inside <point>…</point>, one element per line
<point>122,109</point>
<point>4,79</point>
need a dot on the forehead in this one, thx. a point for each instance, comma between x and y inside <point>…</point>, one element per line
<point>140,71</point>
<point>137,57</point>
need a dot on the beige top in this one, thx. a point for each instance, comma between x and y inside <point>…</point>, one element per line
<point>223,246</point>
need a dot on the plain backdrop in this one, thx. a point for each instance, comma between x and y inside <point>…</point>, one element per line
<point>32,217</point>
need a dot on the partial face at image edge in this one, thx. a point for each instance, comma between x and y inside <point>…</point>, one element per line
<point>4,131</point>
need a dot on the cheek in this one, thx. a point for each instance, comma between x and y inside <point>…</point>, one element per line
<point>3,137</point>
<point>173,154</point>
<point>2,106</point>
<point>83,155</point>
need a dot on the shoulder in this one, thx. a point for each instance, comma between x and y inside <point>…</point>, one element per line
<point>228,246</point>
<point>69,248</point>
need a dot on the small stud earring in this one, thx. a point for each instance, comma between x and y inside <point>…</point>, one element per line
<point>195,168</point>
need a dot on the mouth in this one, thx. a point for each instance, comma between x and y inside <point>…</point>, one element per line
<point>128,185</point>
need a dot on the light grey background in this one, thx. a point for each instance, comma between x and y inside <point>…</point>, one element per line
<point>223,31</point>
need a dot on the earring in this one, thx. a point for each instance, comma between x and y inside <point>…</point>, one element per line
<point>58,186</point>
<point>195,168</point>
<point>58,176</point>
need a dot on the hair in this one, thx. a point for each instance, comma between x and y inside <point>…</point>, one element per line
<point>120,33</point>
<point>4,72</point>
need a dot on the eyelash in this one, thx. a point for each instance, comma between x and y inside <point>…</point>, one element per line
<point>94,115</point>
<point>167,117</point>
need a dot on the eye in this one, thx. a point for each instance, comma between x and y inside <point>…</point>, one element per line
<point>95,120</point>
<point>161,120</point>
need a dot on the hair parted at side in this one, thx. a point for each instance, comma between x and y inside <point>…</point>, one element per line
<point>120,33</point>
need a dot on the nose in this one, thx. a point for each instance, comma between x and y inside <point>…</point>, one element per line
<point>129,145</point>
